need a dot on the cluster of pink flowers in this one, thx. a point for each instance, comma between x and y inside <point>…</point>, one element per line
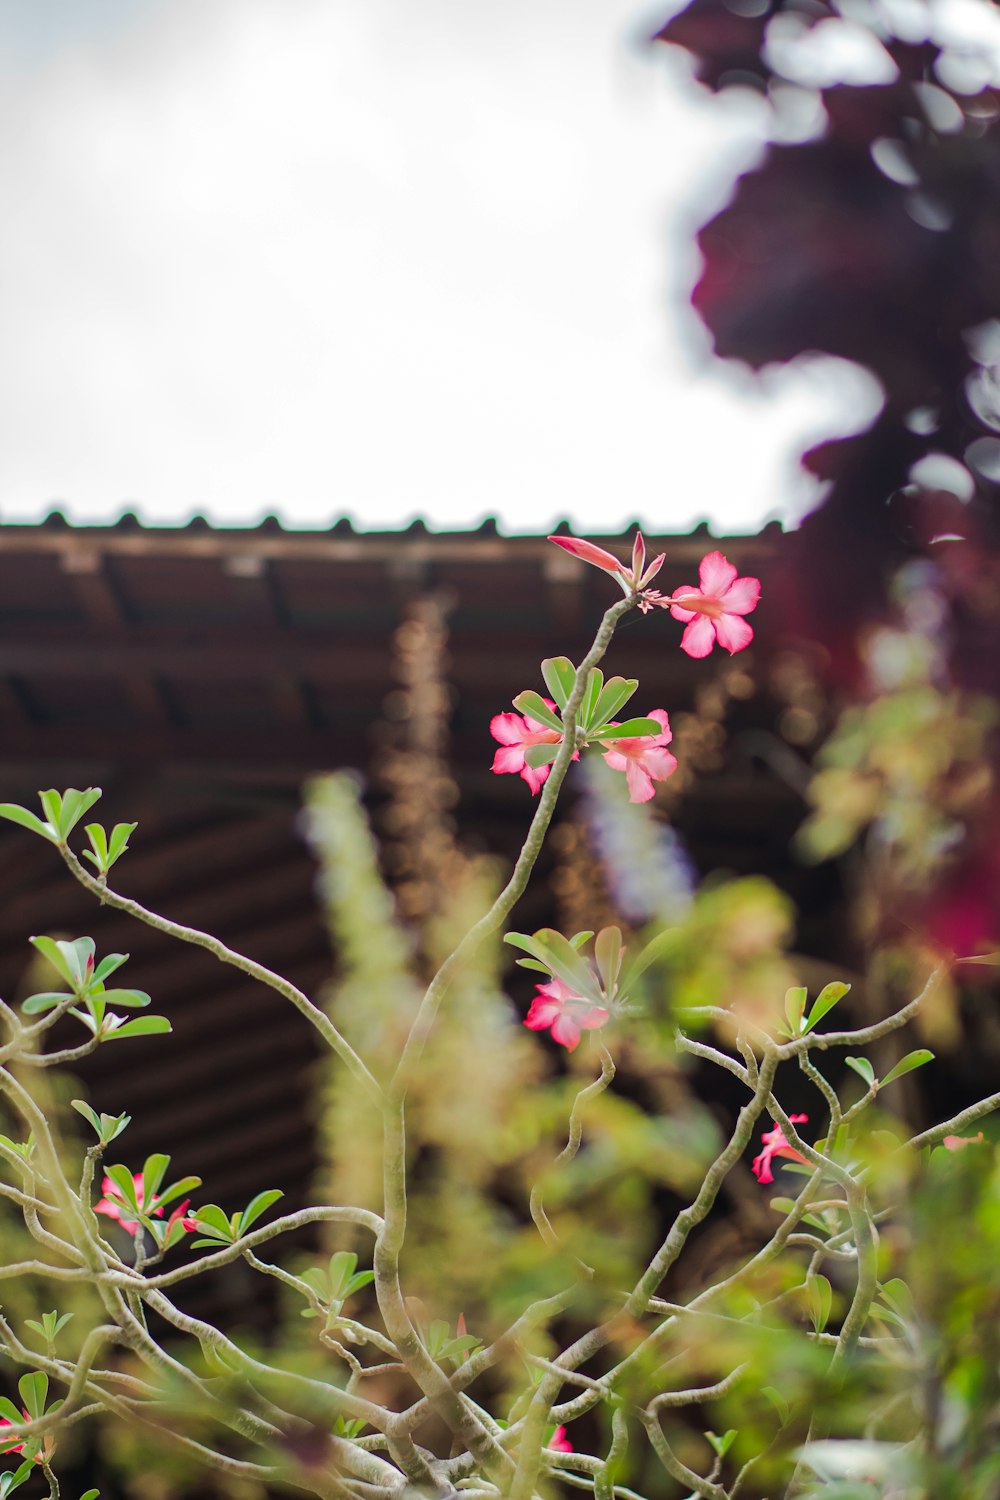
<point>113,1205</point>
<point>713,613</point>
<point>559,1009</point>
<point>643,760</point>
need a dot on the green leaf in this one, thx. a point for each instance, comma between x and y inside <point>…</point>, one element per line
<point>580,938</point>
<point>829,996</point>
<point>135,998</point>
<point>608,954</point>
<point>52,950</point>
<point>795,1005</point>
<point>9,1411</point>
<point>722,1444</point>
<point>120,835</point>
<point>178,1189</point>
<point>258,1206</point>
<point>29,820</point>
<point>99,844</point>
<point>154,1169</point>
<point>107,966</point>
<point>907,1064</point>
<point>863,1068</point>
<point>74,805</point>
<point>564,962</point>
<point>122,1178</point>
<point>342,1267</point>
<point>629,729</point>
<point>559,674</point>
<point>359,1280</point>
<point>778,1401</point>
<point>820,1294</point>
<point>614,696</point>
<point>537,756</point>
<point>91,1495</point>
<point>653,951</point>
<point>783,1205</point>
<point>534,706</point>
<point>90,1115</point>
<point>33,1389</point>
<point>532,963</point>
<point>591,697</point>
<point>142,1026</point>
<point>35,1004</point>
<point>211,1219</point>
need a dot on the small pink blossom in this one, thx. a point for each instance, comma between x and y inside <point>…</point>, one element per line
<point>775,1145</point>
<point>559,1443</point>
<point>515,733</point>
<point>956,1142</point>
<point>644,760</point>
<point>715,610</point>
<point>112,1204</point>
<point>566,1013</point>
<point>48,1442</point>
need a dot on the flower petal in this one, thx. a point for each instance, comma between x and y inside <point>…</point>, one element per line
<point>677,610</point>
<point>716,574</point>
<point>508,759</point>
<point>640,786</point>
<point>733,632</point>
<point>536,777</point>
<point>661,717</point>
<point>509,729</point>
<point>699,637</point>
<point>592,1018</point>
<point>660,763</point>
<point>741,597</point>
<point>566,1032</point>
<point>616,760</point>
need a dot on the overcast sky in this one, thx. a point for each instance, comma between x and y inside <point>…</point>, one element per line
<point>376,258</point>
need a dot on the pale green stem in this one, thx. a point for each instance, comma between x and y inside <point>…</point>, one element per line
<point>313,1014</point>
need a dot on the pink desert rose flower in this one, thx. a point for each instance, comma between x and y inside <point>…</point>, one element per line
<point>775,1145</point>
<point>715,610</point>
<point>112,1204</point>
<point>644,760</point>
<point>48,1442</point>
<point>956,1142</point>
<point>558,1008</point>
<point>559,1442</point>
<point>515,733</point>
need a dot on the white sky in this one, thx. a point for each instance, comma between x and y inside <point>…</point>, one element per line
<point>380,258</point>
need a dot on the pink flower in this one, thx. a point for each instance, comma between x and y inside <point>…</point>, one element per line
<point>956,1142</point>
<point>558,1007</point>
<point>14,1447</point>
<point>775,1145</point>
<point>48,1442</point>
<point>515,733</point>
<point>644,760</point>
<point>559,1442</point>
<point>715,609</point>
<point>113,1203</point>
